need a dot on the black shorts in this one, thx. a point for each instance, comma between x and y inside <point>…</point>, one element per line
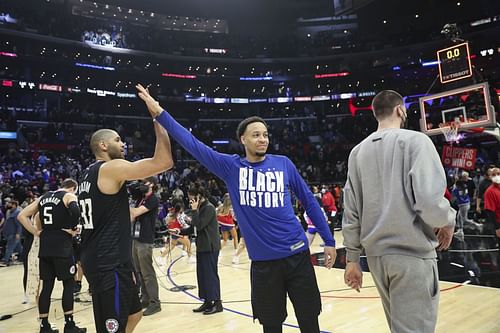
<point>113,306</point>
<point>272,280</point>
<point>54,267</point>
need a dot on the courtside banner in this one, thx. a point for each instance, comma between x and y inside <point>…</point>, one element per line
<point>458,157</point>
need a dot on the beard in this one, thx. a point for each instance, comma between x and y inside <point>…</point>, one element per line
<point>260,154</point>
<point>115,154</point>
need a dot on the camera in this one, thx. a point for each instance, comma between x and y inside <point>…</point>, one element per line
<point>137,189</point>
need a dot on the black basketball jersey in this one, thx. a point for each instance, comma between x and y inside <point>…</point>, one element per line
<point>54,216</point>
<point>106,239</point>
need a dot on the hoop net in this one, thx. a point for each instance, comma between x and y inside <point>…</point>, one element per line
<point>450,131</point>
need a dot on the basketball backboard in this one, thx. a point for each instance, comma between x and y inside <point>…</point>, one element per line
<point>469,106</point>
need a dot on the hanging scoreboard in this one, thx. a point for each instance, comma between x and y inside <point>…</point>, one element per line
<point>454,63</point>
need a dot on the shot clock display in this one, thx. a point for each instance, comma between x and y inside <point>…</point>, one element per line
<point>454,63</point>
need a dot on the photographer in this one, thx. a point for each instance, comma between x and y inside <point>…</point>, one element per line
<point>143,218</point>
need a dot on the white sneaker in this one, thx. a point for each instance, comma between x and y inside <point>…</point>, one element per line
<point>26,299</point>
<point>184,253</point>
<point>236,260</point>
<point>459,234</point>
<point>192,260</point>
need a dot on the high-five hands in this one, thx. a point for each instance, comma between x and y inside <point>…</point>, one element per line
<point>154,107</point>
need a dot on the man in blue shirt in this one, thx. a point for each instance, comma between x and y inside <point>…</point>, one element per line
<point>260,187</point>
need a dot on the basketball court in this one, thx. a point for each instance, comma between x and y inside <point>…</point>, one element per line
<point>463,307</point>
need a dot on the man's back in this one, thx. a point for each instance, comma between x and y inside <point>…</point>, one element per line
<point>54,216</point>
<point>392,175</point>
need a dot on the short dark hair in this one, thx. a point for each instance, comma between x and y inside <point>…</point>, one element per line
<point>153,180</point>
<point>69,183</point>
<point>242,126</point>
<point>196,189</point>
<point>99,136</point>
<point>384,103</point>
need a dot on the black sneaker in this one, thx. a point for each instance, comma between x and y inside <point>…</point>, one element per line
<point>216,307</point>
<point>48,330</point>
<point>72,328</point>
<point>203,307</point>
<point>152,309</point>
<point>144,304</point>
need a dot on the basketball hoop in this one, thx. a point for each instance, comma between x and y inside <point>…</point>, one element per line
<point>450,131</point>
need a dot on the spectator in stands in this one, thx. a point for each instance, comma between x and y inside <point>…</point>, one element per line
<point>483,186</point>
<point>461,195</point>
<point>492,203</point>
<point>12,231</point>
<point>225,217</point>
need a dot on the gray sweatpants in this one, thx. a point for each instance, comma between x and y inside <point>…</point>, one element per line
<point>409,289</point>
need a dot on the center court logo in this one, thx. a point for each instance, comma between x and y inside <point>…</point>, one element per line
<point>112,325</point>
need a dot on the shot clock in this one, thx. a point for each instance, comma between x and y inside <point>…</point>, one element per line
<point>454,63</point>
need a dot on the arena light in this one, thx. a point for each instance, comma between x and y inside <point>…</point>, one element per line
<point>8,54</point>
<point>215,51</point>
<point>323,76</point>
<point>50,87</point>
<point>8,135</point>
<point>302,99</point>
<point>430,63</point>
<point>179,76</point>
<point>239,100</point>
<point>320,98</point>
<point>256,78</point>
<point>106,68</point>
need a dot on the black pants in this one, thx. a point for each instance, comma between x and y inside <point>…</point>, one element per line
<point>207,275</point>
<point>28,242</point>
<point>272,280</point>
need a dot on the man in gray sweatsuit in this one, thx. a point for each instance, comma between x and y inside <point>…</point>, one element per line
<point>394,206</point>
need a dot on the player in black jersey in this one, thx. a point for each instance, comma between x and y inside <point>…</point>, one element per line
<point>59,214</point>
<point>106,239</point>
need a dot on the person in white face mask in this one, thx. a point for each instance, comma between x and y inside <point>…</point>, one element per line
<point>492,202</point>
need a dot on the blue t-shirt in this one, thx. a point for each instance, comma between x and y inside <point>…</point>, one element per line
<point>461,194</point>
<point>261,197</point>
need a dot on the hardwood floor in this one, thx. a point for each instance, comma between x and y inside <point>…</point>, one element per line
<point>463,308</point>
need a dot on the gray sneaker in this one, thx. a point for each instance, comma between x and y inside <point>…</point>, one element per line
<point>152,309</point>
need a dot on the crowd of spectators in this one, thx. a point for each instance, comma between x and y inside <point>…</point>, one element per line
<point>52,19</point>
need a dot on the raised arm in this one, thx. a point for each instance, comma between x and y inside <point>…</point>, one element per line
<point>216,162</point>
<point>115,172</point>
